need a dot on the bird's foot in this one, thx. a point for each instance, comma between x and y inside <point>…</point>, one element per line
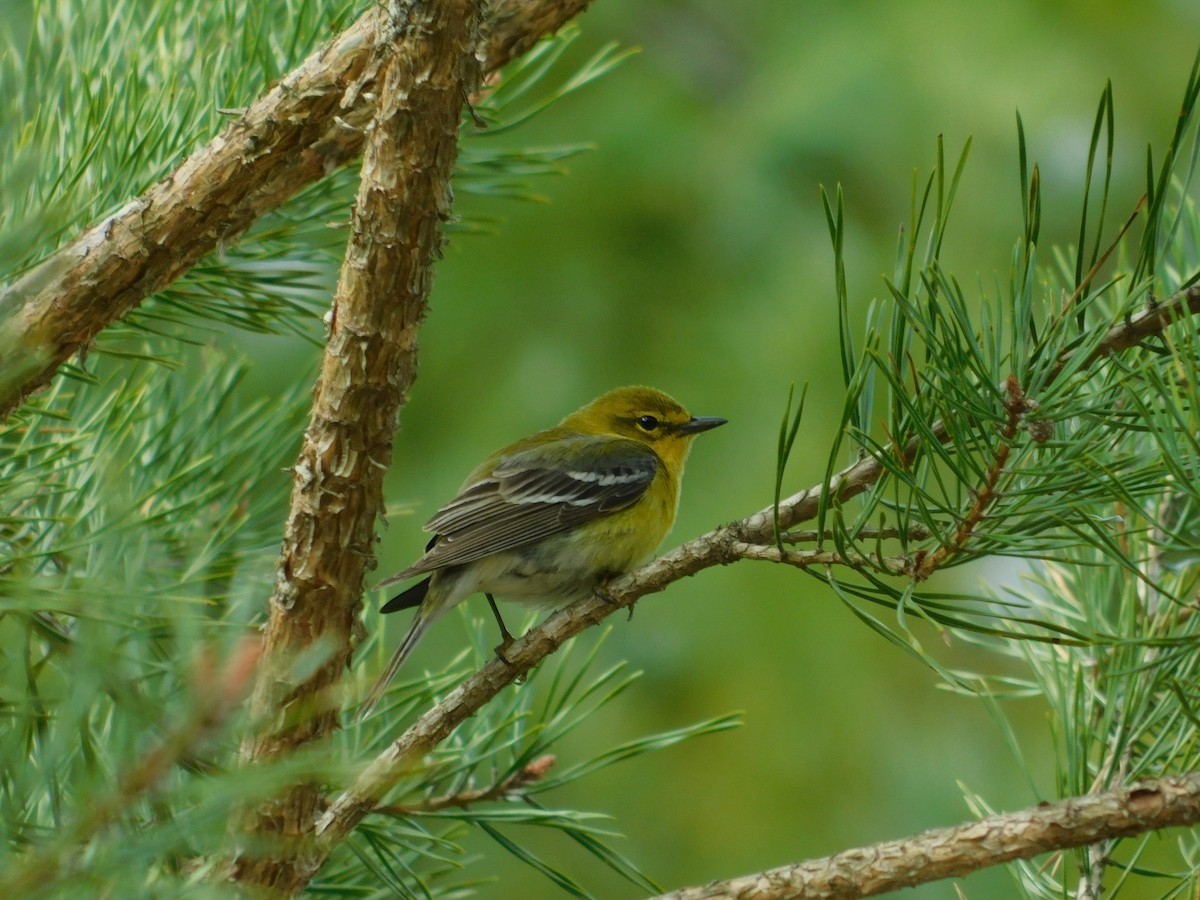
<point>502,647</point>
<point>506,639</point>
<point>601,591</point>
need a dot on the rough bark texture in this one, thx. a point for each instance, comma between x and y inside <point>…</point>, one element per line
<point>303,128</point>
<point>952,852</point>
<point>368,366</point>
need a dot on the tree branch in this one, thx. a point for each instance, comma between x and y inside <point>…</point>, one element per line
<point>1135,329</point>
<point>953,852</point>
<point>807,559</point>
<point>429,54</point>
<point>913,532</point>
<point>531,773</point>
<point>308,124</point>
<point>717,547</point>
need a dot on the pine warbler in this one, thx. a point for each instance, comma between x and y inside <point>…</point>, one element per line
<point>547,520</point>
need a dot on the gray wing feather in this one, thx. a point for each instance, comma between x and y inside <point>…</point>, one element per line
<point>525,500</point>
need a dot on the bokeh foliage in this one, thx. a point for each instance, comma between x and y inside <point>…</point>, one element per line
<point>690,251</point>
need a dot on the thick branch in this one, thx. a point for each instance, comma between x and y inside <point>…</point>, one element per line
<point>368,366</point>
<point>307,125</point>
<point>952,852</point>
<point>717,547</point>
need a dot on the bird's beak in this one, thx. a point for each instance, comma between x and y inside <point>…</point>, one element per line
<point>701,423</point>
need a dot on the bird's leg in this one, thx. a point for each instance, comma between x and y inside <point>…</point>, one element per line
<point>506,639</point>
<point>600,590</point>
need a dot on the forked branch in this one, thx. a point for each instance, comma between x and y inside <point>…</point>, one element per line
<point>309,123</point>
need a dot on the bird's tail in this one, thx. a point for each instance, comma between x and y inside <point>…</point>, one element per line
<point>424,617</point>
<point>414,596</point>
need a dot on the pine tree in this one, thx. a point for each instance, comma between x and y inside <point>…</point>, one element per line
<point>175,692</point>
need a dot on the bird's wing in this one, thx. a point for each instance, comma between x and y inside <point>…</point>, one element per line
<point>535,493</point>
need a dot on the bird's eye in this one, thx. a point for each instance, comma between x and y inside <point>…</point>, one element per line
<point>647,423</point>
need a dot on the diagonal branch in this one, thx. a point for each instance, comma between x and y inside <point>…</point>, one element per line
<point>963,849</point>
<point>308,124</point>
<point>718,547</point>
<point>1135,329</point>
<point>368,366</point>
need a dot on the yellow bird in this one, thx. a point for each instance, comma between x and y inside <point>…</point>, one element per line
<point>547,519</point>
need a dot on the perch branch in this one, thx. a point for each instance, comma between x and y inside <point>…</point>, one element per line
<point>717,547</point>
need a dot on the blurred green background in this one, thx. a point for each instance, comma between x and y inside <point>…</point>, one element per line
<point>689,251</point>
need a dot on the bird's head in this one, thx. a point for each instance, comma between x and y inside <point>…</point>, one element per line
<point>645,415</point>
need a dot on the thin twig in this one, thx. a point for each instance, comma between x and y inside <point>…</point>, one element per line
<point>1130,333</point>
<point>1016,405</point>
<point>1072,301</point>
<point>913,532</point>
<point>1120,337</point>
<point>532,773</point>
<point>807,559</point>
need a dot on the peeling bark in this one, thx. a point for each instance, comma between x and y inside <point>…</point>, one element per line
<point>370,362</point>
